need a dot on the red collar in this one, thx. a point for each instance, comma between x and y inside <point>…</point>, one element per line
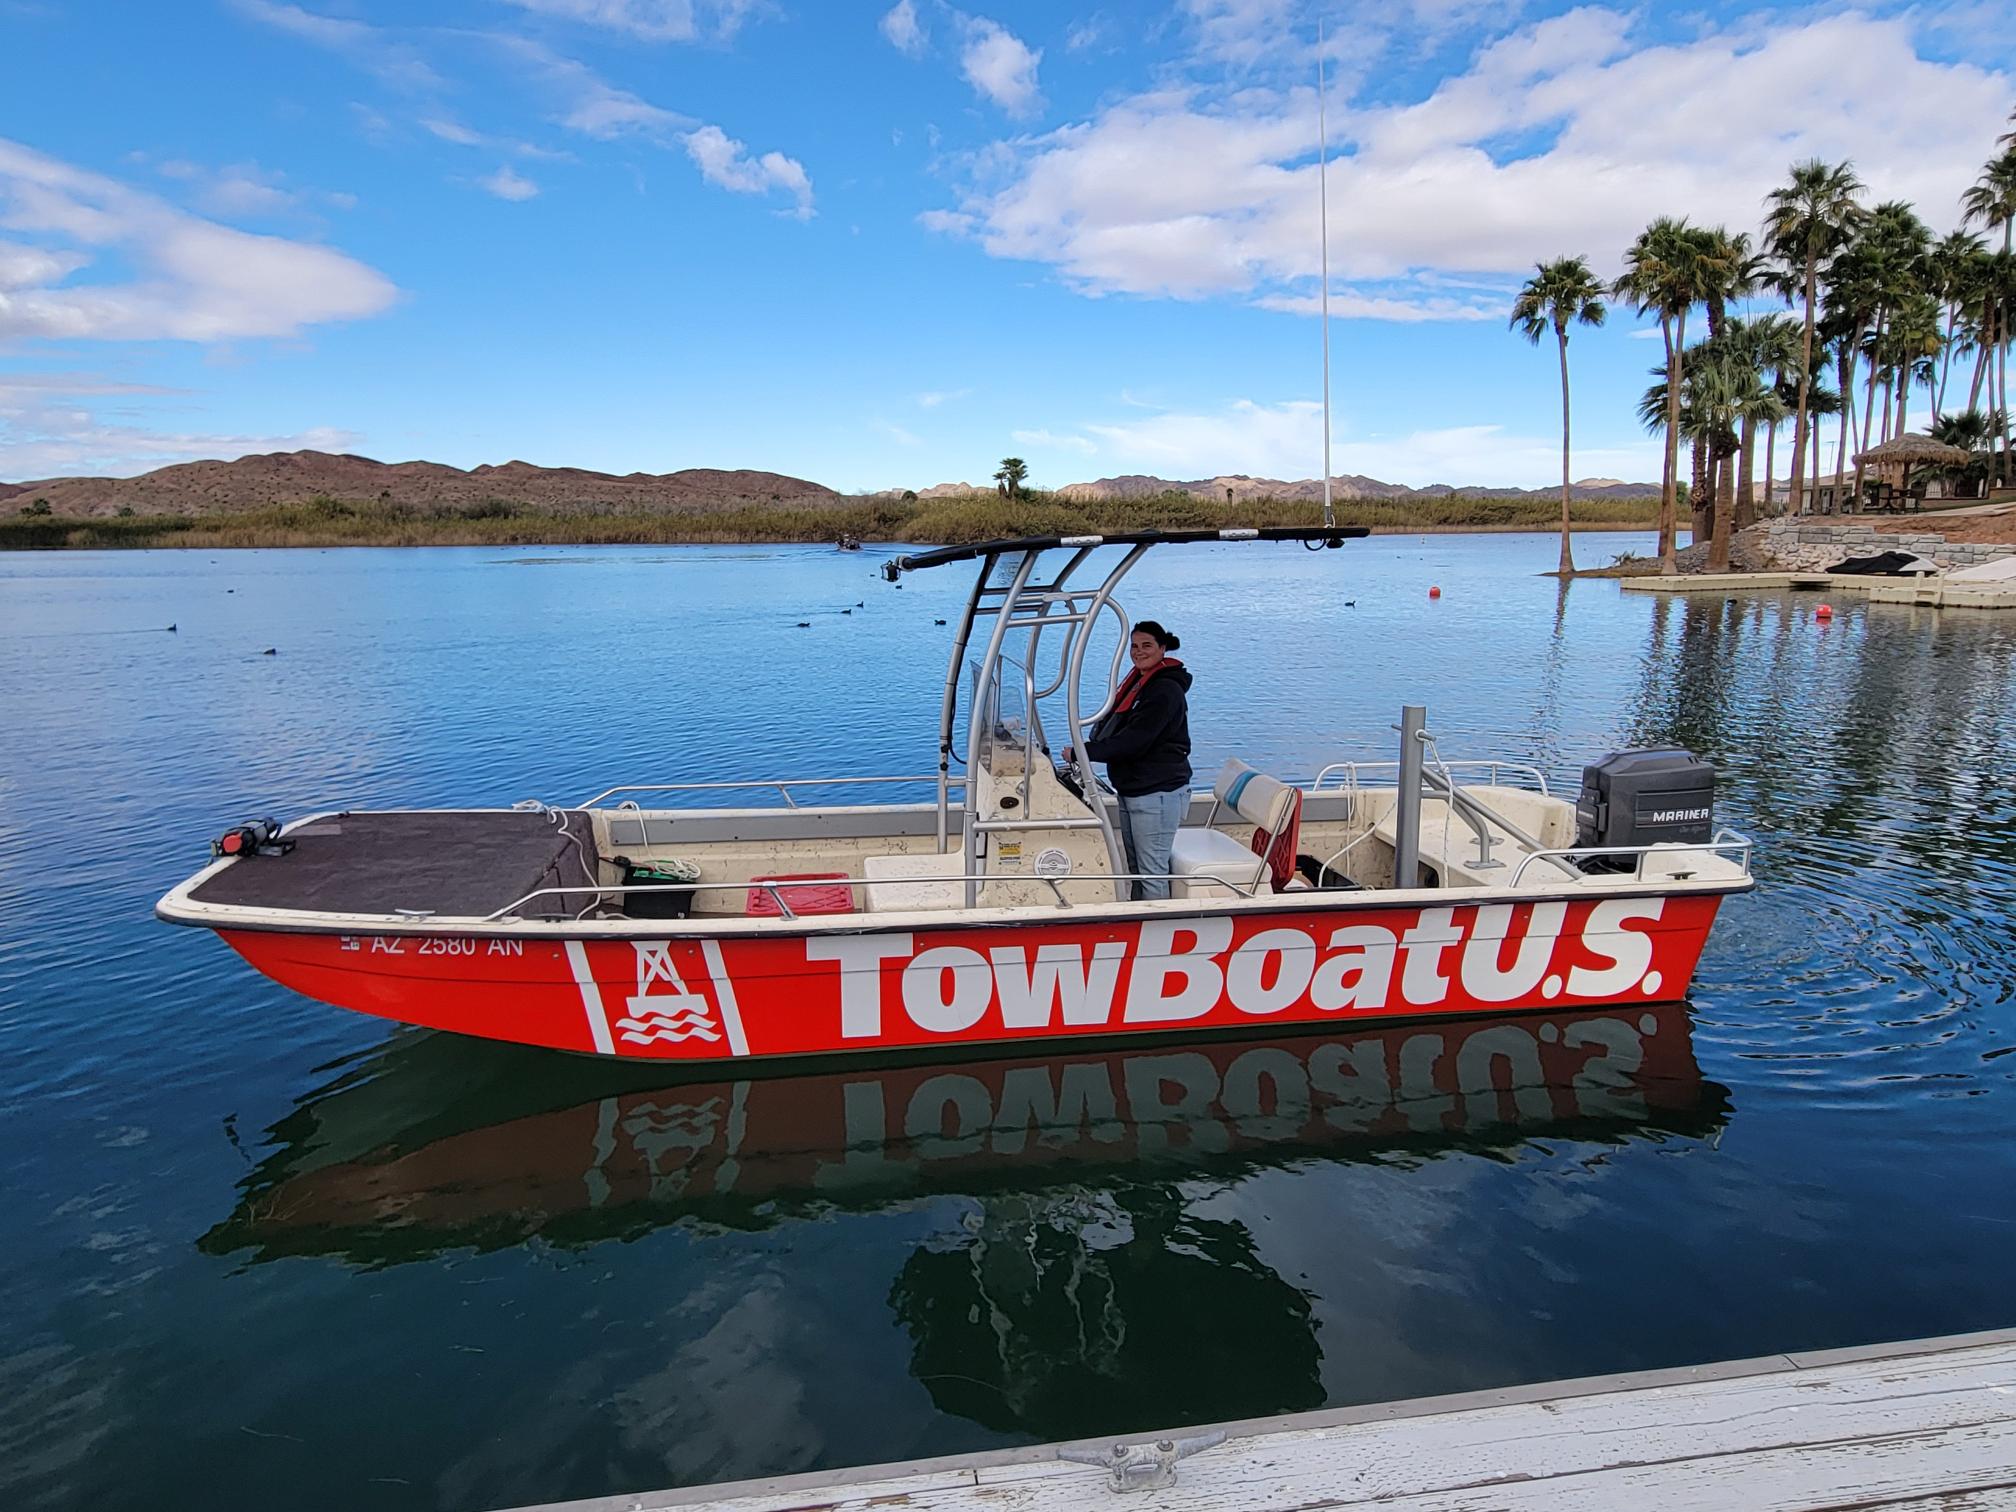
<point>1137,680</point>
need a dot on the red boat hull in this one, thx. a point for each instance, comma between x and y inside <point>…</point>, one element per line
<point>706,998</point>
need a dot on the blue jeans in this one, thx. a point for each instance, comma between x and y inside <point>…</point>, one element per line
<point>1148,825</point>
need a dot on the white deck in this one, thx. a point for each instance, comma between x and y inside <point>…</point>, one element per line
<point>1931,1422</point>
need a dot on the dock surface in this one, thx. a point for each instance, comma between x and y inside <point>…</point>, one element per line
<point>1928,1423</point>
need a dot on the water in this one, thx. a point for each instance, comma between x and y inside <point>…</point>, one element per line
<point>258,1247</point>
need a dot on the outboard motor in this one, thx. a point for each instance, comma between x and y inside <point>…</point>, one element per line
<point>1647,797</point>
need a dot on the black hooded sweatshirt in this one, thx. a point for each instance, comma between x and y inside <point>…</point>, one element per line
<point>1146,747</point>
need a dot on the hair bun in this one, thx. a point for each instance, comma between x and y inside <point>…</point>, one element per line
<point>1172,642</point>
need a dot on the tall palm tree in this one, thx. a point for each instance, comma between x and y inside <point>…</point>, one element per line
<point>1952,268</point>
<point>1804,223</point>
<point>1558,294</point>
<point>1732,271</point>
<point>1775,341</point>
<point>1667,271</point>
<point>1011,475</point>
<point>1992,202</point>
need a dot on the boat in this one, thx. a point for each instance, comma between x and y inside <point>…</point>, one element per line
<point>994,910</point>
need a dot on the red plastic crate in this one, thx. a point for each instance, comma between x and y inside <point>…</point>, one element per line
<point>809,893</point>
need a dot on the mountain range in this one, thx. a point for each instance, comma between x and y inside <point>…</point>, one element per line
<point>259,481</point>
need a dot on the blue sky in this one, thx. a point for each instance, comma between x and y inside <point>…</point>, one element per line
<point>881,245</point>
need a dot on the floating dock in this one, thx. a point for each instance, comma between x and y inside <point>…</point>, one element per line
<point>1934,592</point>
<point>1930,1422</point>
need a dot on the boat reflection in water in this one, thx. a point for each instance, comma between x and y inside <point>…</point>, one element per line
<point>437,1142</point>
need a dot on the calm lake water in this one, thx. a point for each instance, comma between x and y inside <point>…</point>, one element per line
<point>262,1251</point>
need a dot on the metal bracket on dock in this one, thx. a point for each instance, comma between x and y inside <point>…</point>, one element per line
<point>1144,1467</point>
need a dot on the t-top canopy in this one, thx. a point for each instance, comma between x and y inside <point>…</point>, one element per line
<point>1334,535</point>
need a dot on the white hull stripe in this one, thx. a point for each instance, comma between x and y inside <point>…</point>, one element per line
<point>724,997</point>
<point>591,999</point>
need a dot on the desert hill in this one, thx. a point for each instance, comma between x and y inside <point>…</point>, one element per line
<point>1238,488</point>
<point>260,481</point>
<point>255,482</point>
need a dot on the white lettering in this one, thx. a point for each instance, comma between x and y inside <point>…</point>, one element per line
<point>1483,975</point>
<point>382,946</point>
<point>965,1098</point>
<point>1424,1107</point>
<point>860,959</point>
<point>1149,998</point>
<point>1082,1098</point>
<point>865,1158</point>
<point>947,989</point>
<point>1355,1075</point>
<point>1359,974</point>
<point>1422,980</point>
<point>1629,951</point>
<point>1246,981</point>
<point>1476,1078</point>
<point>1604,1085</point>
<point>1059,978</point>
<point>1194,1081</point>
<point>1280,1115</point>
<point>506,948</point>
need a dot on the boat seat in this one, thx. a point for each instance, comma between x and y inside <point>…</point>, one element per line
<point>904,884</point>
<point>1206,854</point>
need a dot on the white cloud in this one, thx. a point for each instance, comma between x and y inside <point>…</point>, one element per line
<point>1050,440</point>
<point>726,162</point>
<point>898,434</point>
<point>453,131</point>
<point>1404,308</point>
<point>1001,67</point>
<point>194,280</point>
<point>44,433</point>
<point>903,30</point>
<point>1567,136</point>
<point>508,185</point>
<point>365,45</point>
<point>1286,441</point>
<point>651,20</point>
<point>932,399</point>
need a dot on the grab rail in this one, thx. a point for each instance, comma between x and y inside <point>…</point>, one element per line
<point>782,785</point>
<point>776,889</point>
<point>1353,768</point>
<point>1725,841</point>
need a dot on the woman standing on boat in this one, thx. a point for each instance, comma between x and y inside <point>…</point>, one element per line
<point>1145,743</point>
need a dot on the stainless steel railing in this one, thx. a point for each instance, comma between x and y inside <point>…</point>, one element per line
<point>1726,842</point>
<point>782,785</point>
<point>777,889</point>
<point>1349,772</point>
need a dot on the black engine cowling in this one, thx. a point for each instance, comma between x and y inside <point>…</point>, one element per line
<point>1646,797</point>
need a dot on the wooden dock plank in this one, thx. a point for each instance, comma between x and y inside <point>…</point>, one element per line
<point>1865,1429</point>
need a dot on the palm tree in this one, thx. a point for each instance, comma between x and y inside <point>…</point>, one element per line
<point>1992,202</point>
<point>1804,224</point>
<point>1971,431</point>
<point>1774,342</point>
<point>1557,294</point>
<point>1668,270</point>
<point>1011,475</point>
<point>1952,266</point>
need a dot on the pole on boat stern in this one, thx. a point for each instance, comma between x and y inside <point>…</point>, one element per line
<point>1323,199</point>
<point>1407,814</point>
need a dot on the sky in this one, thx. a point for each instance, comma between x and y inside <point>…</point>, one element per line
<point>883,245</point>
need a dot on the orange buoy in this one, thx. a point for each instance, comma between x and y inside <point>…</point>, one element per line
<point>1824,612</point>
<point>1434,593</point>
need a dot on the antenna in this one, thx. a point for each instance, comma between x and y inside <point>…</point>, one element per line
<point>1323,198</point>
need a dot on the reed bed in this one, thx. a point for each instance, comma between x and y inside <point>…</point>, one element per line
<point>948,521</point>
